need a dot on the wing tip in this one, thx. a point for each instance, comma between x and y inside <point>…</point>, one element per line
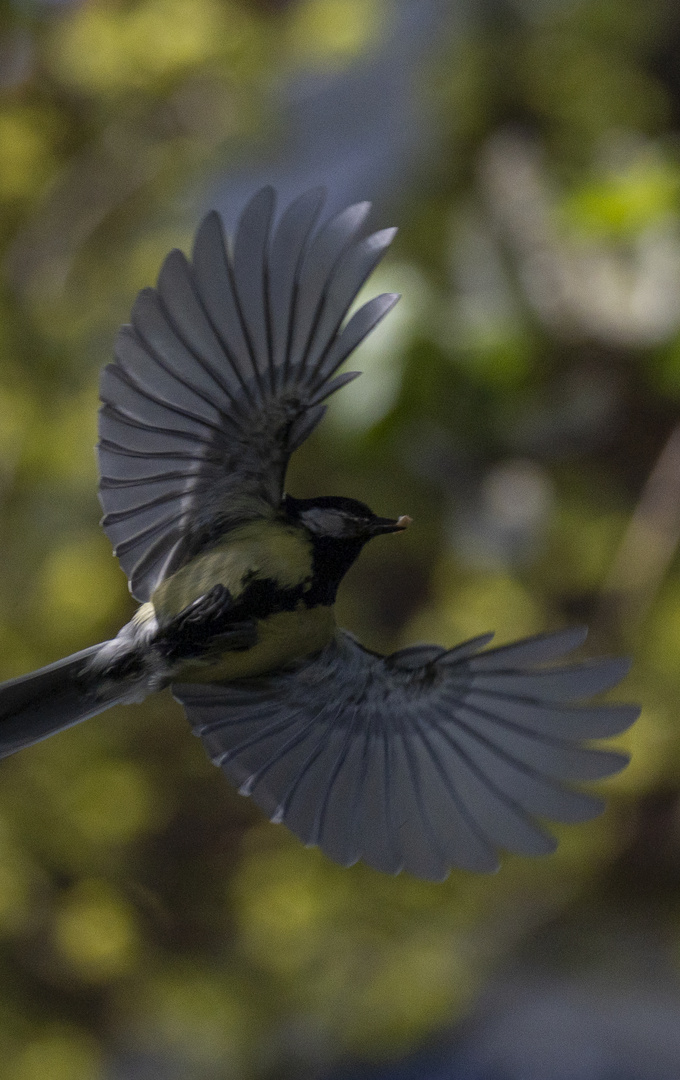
<point>172,261</point>
<point>260,207</point>
<point>612,671</point>
<point>265,194</point>
<point>616,761</point>
<point>210,226</point>
<point>466,648</point>
<point>383,303</point>
<point>354,215</point>
<point>383,238</point>
<point>632,711</point>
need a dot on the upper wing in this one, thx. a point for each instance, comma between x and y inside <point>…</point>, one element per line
<point>222,374</point>
<point>422,760</point>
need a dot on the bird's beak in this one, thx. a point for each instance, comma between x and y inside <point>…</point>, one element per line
<point>389,525</point>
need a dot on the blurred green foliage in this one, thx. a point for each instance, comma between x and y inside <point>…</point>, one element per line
<point>514,404</point>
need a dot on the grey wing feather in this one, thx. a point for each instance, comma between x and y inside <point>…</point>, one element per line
<point>250,277</point>
<point>287,251</point>
<point>424,760</point>
<point>317,267</point>
<point>222,375</point>
<point>361,324</point>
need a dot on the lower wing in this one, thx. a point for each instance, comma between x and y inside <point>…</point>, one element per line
<point>424,760</point>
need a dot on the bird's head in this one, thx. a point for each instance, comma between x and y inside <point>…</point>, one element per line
<point>335,518</point>
<point>338,528</point>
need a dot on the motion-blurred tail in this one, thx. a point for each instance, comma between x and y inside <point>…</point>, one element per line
<point>48,700</point>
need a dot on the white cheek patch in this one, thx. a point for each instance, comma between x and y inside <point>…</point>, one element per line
<point>326,522</point>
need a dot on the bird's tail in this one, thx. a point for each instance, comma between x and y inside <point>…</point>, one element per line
<point>51,699</point>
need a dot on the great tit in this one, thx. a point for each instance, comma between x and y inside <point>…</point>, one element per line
<point>422,760</point>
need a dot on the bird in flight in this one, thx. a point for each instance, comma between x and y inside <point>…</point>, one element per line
<point>424,760</point>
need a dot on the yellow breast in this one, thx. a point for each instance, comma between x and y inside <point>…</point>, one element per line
<point>267,550</point>
<point>260,550</point>
<point>282,638</point>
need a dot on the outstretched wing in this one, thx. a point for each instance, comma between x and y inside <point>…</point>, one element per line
<point>422,760</point>
<point>222,375</point>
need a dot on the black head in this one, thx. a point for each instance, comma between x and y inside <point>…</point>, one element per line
<point>338,528</point>
<point>335,518</point>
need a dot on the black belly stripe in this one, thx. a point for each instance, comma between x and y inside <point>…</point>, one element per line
<point>262,597</point>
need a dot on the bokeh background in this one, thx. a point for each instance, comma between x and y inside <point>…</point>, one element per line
<point>522,404</point>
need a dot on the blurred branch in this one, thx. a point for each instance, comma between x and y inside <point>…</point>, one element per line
<point>649,543</point>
